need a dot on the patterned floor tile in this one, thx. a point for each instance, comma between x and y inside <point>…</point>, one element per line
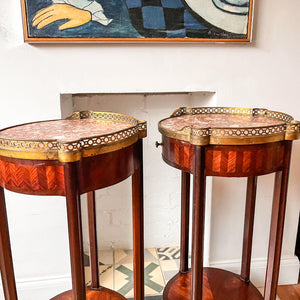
<point>169,268</point>
<point>168,253</point>
<point>170,264</point>
<point>168,275</point>
<point>126,256</point>
<point>154,281</point>
<point>106,276</point>
<point>151,252</point>
<point>105,257</point>
<point>116,270</point>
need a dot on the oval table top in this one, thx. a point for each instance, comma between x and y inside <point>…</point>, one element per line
<point>229,126</point>
<point>83,134</point>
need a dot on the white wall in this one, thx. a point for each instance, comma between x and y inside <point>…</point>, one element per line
<point>262,74</point>
<point>162,196</point>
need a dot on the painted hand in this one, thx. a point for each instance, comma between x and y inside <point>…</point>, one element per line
<point>76,17</point>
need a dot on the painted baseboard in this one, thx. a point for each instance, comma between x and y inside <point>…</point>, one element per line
<point>45,288</point>
<point>41,288</point>
<point>289,269</point>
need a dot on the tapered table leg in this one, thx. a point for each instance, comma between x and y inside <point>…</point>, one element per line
<point>75,231</point>
<point>277,225</point>
<point>185,220</point>
<point>248,228</point>
<point>91,202</point>
<point>198,222</point>
<point>138,222</point>
<point>6,263</point>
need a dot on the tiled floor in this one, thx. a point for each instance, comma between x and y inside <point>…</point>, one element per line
<point>116,270</point>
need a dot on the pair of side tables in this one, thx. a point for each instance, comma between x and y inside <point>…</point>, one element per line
<point>93,150</point>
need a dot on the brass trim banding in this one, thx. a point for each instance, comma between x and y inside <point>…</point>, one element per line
<point>74,150</point>
<point>288,129</point>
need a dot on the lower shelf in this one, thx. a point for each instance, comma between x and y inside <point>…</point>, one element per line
<point>100,294</point>
<point>217,285</point>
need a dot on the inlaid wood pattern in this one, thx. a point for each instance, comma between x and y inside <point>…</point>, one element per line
<point>47,177</point>
<point>101,294</point>
<point>104,170</point>
<point>230,161</point>
<point>237,161</point>
<point>227,161</point>
<point>54,177</point>
<point>178,154</point>
<point>36,177</point>
<point>217,285</point>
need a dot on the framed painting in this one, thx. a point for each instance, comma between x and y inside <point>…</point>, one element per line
<point>137,20</point>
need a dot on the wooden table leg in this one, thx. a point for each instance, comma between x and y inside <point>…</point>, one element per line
<point>198,222</point>
<point>75,231</point>
<point>185,220</point>
<point>6,263</point>
<point>248,228</point>
<point>277,225</point>
<point>91,203</point>
<point>138,222</point>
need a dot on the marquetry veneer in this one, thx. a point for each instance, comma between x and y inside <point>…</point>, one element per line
<point>86,152</point>
<point>228,142</point>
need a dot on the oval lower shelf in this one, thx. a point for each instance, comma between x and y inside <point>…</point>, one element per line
<point>217,285</point>
<point>99,294</point>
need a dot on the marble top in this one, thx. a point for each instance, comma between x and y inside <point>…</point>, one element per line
<point>64,130</point>
<point>229,126</point>
<point>218,121</point>
<point>83,134</point>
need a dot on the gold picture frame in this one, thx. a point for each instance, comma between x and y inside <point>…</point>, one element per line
<point>137,20</point>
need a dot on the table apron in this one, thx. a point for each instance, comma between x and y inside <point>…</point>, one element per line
<point>227,161</point>
<point>46,177</point>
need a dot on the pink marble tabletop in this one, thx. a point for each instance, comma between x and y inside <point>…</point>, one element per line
<point>63,130</point>
<point>218,121</point>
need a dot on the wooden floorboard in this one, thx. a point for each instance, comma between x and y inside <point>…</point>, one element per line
<point>289,292</point>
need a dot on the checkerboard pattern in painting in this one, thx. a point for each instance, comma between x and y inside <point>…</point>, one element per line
<point>171,19</point>
<point>163,19</point>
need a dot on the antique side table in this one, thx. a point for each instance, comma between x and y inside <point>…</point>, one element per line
<point>83,153</point>
<point>229,142</point>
